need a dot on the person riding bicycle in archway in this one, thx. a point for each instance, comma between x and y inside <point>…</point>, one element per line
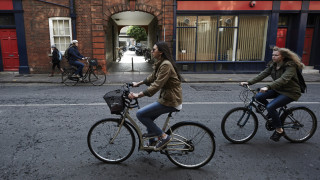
<point>283,89</point>
<point>167,79</point>
<point>74,56</point>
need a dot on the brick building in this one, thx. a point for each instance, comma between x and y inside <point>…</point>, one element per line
<point>205,36</point>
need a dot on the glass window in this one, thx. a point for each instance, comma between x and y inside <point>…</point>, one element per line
<point>283,20</point>
<point>221,38</point>
<point>60,32</point>
<point>186,41</point>
<point>206,42</point>
<point>252,38</point>
<point>6,19</point>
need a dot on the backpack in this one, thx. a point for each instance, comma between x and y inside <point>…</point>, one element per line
<point>60,56</point>
<point>66,53</point>
<point>302,83</point>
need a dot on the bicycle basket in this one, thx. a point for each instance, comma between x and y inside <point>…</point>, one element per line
<point>115,101</point>
<point>93,62</point>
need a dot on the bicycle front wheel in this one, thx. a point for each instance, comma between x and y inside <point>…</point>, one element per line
<point>67,78</point>
<point>97,77</point>
<point>299,124</point>
<point>109,142</point>
<point>192,146</point>
<point>239,125</point>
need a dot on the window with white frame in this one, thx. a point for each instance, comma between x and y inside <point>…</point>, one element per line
<point>60,32</point>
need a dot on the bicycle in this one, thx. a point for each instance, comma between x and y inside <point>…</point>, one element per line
<point>94,72</point>
<point>240,124</point>
<point>112,140</point>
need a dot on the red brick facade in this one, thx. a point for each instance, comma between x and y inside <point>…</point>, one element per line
<point>92,19</point>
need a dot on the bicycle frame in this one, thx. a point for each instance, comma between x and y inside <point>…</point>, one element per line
<point>252,106</point>
<point>138,131</point>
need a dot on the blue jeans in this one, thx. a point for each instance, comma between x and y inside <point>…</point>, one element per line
<point>79,66</point>
<point>279,100</point>
<point>149,113</point>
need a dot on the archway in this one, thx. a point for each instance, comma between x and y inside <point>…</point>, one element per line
<point>116,37</point>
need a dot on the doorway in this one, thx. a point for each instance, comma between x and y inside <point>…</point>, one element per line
<point>9,49</point>
<point>307,46</point>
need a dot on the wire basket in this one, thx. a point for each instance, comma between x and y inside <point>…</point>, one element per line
<point>93,62</point>
<point>115,101</point>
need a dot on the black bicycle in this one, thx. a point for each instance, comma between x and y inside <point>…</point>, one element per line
<point>94,72</point>
<point>240,124</point>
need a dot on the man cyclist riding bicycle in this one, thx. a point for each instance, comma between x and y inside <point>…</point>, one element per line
<point>73,57</point>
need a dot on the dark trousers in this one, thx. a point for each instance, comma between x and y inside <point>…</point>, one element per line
<point>79,66</point>
<point>279,100</point>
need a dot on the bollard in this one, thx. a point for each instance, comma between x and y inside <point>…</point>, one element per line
<point>132,64</point>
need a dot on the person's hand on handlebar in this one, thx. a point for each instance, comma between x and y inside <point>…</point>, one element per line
<point>135,95</point>
<point>244,83</point>
<point>137,84</point>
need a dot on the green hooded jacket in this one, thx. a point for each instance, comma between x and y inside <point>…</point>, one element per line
<point>285,79</point>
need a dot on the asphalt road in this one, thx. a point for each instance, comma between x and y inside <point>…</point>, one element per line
<point>43,129</point>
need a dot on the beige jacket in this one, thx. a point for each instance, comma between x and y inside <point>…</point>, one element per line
<point>166,80</point>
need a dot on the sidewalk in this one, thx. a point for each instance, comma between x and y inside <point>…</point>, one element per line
<point>122,77</point>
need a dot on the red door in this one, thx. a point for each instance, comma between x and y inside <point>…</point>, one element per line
<point>307,46</point>
<point>9,49</point>
<point>281,37</point>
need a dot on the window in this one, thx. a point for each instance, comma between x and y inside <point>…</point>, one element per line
<point>221,38</point>
<point>6,19</point>
<point>60,32</point>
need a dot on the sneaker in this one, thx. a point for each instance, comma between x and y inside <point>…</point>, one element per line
<point>162,143</point>
<point>276,136</point>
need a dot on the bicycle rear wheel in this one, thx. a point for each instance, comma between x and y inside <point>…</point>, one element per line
<point>239,125</point>
<point>97,77</point>
<point>67,78</point>
<point>299,124</point>
<point>110,144</point>
<point>192,146</point>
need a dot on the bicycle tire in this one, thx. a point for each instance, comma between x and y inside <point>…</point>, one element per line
<point>193,145</point>
<point>235,133</point>
<point>299,124</point>
<point>97,77</point>
<point>67,78</point>
<point>100,135</point>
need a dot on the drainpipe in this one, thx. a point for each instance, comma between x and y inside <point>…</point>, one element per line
<point>73,19</point>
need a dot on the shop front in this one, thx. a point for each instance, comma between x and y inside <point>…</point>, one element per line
<point>238,36</point>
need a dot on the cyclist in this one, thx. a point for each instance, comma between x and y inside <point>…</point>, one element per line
<point>74,55</point>
<point>167,79</point>
<point>283,89</point>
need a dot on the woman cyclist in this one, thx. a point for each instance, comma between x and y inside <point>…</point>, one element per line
<point>165,78</point>
<point>283,89</point>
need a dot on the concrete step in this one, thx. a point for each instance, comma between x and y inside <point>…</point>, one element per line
<point>310,70</point>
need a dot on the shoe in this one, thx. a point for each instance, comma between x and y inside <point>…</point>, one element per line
<point>162,143</point>
<point>276,136</point>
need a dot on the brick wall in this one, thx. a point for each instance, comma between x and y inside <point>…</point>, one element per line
<point>93,23</point>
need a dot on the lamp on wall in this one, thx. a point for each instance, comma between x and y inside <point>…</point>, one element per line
<point>252,3</point>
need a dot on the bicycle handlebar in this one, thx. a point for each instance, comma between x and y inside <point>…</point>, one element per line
<point>127,91</point>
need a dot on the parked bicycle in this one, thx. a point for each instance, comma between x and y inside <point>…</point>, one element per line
<point>94,72</point>
<point>240,124</point>
<point>112,140</point>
